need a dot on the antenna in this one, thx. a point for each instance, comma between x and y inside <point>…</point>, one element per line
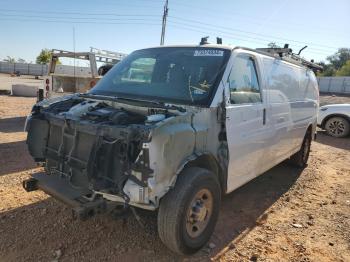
<point>165,14</point>
<point>74,52</point>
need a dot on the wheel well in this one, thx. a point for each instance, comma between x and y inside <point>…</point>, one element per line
<point>334,115</point>
<point>309,129</point>
<point>210,163</point>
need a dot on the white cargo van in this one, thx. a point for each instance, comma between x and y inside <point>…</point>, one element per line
<point>171,129</point>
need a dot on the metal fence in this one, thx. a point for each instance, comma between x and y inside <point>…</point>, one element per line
<point>41,70</point>
<point>337,85</point>
<point>23,68</point>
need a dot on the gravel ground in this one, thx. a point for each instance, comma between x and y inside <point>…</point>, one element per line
<point>326,99</point>
<point>285,214</point>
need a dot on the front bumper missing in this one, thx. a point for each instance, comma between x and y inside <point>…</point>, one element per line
<point>84,202</point>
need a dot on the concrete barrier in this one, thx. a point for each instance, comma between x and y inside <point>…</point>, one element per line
<point>24,90</point>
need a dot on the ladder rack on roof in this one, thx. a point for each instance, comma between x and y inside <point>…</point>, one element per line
<point>287,54</point>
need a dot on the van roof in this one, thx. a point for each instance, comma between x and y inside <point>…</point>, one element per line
<point>205,45</point>
<point>293,59</point>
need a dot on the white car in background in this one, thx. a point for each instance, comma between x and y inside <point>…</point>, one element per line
<point>335,119</point>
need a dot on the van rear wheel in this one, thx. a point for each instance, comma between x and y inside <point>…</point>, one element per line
<point>188,212</point>
<point>301,157</point>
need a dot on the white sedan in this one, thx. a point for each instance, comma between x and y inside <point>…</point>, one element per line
<point>335,119</point>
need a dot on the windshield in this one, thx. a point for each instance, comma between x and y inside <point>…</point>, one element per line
<point>185,75</point>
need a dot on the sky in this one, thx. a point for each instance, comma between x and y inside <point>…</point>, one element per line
<point>27,26</point>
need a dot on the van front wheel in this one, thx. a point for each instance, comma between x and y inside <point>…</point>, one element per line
<point>188,212</point>
<point>301,157</point>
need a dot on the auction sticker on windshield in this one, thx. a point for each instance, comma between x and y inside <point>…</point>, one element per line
<point>208,52</point>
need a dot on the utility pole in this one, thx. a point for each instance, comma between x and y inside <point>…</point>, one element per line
<point>165,14</point>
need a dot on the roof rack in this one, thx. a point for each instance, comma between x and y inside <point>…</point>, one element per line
<point>284,53</point>
<point>107,56</point>
<point>100,55</point>
<point>56,53</point>
<point>287,54</point>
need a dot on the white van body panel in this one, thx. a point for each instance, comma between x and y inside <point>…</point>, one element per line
<point>290,99</point>
<point>247,136</point>
<point>292,104</point>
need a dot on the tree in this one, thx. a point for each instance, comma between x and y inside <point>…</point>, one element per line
<point>339,58</point>
<point>344,70</point>
<point>10,59</point>
<point>44,57</point>
<point>328,69</point>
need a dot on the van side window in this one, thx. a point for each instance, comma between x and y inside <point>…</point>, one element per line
<point>243,81</point>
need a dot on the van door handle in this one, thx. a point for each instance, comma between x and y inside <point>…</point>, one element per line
<point>264,116</point>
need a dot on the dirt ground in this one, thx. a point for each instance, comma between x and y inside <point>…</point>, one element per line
<point>286,214</point>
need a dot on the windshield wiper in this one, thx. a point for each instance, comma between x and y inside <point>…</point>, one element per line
<point>133,101</point>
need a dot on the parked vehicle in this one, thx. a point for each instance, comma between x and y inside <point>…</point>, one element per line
<point>63,80</point>
<point>335,119</point>
<point>172,129</point>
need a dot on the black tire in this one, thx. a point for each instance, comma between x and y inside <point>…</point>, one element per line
<point>337,126</point>
<point>176,205</point>
<point>301,157</point>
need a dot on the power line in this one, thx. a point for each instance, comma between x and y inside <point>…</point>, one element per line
<point>238,36</point>
<point>187,27</point>
<point>233,38</point>
<point>231,14</point>
<point>79,18</point>
<point>76,22</point>
<point>247,32</point>
<point>74,13</point>
<point>149,15</point>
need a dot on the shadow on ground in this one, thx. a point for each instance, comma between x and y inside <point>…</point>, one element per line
<point>48,225</point>
<point>341,143</point>
<point>15,158</point>
<point>241,209</point>
<point>14,124</point>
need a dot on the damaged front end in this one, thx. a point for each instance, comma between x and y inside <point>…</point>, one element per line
<point>94,154</point>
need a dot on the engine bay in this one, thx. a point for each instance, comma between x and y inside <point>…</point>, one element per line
<point>92,144</point>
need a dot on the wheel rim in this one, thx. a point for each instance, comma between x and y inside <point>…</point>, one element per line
<point>199,213</point>
<point>336,127</point>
